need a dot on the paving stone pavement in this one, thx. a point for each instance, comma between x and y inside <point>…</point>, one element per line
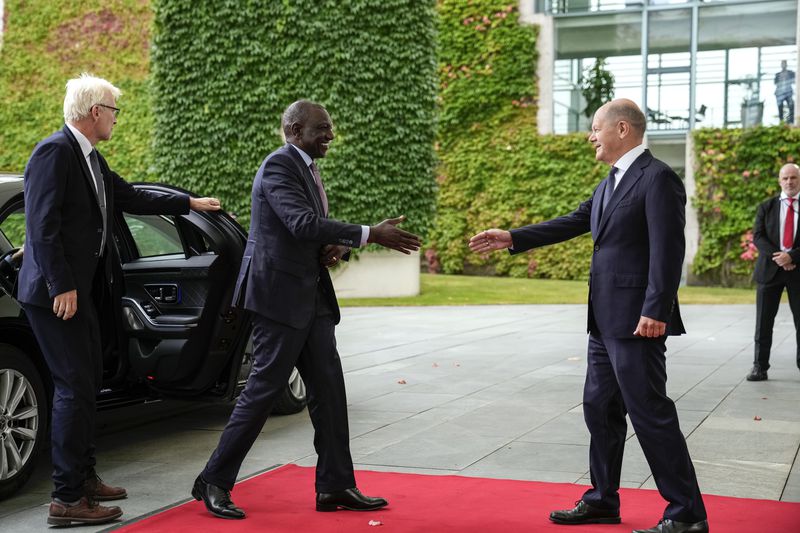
<point>492,391</point>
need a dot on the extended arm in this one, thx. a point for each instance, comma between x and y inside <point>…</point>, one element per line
<point>534,235</point>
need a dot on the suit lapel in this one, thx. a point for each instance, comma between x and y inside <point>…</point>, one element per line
<point>774,222</point>
<point>84,166</point>
<point>629,179</point>
<point>597,207</point>
<point>307,179</point>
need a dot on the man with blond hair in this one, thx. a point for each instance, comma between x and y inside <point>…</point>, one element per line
<point>636,218</point>
<point>70,198</point>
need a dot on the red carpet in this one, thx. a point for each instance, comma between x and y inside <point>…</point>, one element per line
<point>283,500</point>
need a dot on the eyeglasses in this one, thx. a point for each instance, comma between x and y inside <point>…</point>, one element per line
<point>112,108</point>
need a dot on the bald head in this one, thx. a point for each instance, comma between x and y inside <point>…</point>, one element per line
<point>617,128</point>
<point>626,110</point>
<point>298,113</point>
<point>308,126</point>
<point>790,168</point>
<point>789,179</point>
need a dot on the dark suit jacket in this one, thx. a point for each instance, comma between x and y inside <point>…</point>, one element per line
<point>63,221</point>
<point>767,235</point>
<point>281,272</point>
<point>638,248</point>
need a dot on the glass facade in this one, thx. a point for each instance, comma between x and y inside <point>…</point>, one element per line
<point>688,63</point>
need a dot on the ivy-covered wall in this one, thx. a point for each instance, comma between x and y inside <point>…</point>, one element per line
<point>735,170</point>
<point>224,71</point>
<point>495,169</point>
<point>45,43</point>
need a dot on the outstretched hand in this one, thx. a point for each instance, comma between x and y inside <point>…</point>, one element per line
<point>204,204</point>
<point>490,240</point>
<point>389,235</point>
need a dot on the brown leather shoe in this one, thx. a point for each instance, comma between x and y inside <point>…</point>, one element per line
<point>98,491</point>
<point>82,513</point>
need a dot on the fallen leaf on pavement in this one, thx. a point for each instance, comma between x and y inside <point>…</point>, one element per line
<point>401,381</point>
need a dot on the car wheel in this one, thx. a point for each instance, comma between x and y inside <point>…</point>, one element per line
<point>293,400</point>
<point>23,418</point>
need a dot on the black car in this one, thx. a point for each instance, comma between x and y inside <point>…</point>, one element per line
<point>168,331</point>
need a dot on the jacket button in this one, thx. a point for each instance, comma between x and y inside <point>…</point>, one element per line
<point>97,254</point>
<point>596,248</point>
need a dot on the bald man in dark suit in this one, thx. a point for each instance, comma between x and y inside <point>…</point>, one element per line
<point>636,218</point>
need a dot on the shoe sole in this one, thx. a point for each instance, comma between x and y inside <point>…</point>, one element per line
<point>196,495</point>
<point>609,520</point>
<point>331,507</point>
<point>65,521</point>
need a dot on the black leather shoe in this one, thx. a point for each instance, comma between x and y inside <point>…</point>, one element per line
<point>670,526</point>
<point>350,499</point>
<point>217,500</point>
<point>583,513</point>
<point>756,374</point>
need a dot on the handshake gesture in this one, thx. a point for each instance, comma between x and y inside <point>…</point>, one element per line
<point>389,235</point>
<point>490,240</point>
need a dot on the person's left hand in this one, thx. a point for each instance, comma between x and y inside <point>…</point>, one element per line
<point>204,204</point>
<point>649,327</point>
<point>782,258</point>
<point>331,254</point>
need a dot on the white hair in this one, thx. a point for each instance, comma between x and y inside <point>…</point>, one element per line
<point>85,92</point>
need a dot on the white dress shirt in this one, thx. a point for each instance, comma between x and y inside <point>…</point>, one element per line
<point>625,162</point>
<point>86,149</point>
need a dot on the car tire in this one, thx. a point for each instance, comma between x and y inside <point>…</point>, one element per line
<point>293,400</point>
<point>24,416</point>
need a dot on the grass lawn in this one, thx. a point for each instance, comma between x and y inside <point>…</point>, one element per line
<point>474,290</point>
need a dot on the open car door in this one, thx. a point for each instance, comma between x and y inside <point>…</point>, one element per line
<point>178,328</point>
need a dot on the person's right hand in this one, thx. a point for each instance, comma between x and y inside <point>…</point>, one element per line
<point>65,305</point>
<point>789,267</point>
<point>490,240</point>
<point>389,235</point>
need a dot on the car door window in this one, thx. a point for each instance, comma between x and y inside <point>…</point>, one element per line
<point>154,235</point>
<point>13,230</point>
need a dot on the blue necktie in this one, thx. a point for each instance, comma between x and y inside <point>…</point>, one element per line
<point>610,181</point>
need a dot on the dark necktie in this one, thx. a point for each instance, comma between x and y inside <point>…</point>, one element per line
<point>318,180</point>
<point>610,181</point>
<point>788,226</point>
<point>101,194</point>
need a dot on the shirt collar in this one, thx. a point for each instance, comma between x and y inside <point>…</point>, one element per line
<point>624,162</point>
<point>305,156</point>
<point>86,146</point>
<point>784,196</point>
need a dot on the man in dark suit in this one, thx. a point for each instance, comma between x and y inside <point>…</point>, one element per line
<point>636,217</point>
<point>70,197</point>
<point>775,236</point>
<point>284,281</point>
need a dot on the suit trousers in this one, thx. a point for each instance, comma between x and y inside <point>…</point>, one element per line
<point>72,350</point>
<point>768,299</point>
<point>277,349</point>
<point>628,376</point>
